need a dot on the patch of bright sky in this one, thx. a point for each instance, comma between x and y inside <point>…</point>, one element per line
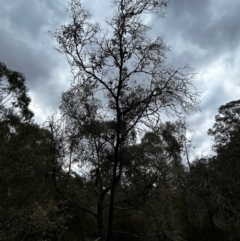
<point>212,72</point>
<point>41,113</point>
<point>41,110</point>
<point>221,71</point>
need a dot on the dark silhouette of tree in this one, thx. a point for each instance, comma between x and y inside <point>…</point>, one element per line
<point>121,87</point>
<point>226,133</point>
<point>29,206</point>
<point>13,92</point>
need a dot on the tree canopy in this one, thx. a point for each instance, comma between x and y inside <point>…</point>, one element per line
<point>121,87</point>
<point>13,93</point>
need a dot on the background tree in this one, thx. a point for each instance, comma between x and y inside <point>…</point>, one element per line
<point>13,94</point>
<point>226,125</point>
<point>120,77</point>
<point>226,136</point>
<point>29,206</point>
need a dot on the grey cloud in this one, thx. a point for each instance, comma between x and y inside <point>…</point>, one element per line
<point>203,35</point>
<point>222,35</point>
<point>198,31</point>
<point>214,98</point>
<point>26,45</point>
<point>31,17</point>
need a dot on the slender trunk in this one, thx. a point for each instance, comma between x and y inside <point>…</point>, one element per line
<point>98,184</point>
<point>100,219</point>
<point>111,204</point>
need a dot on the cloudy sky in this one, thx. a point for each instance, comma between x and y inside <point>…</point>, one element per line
<point>204,34</point>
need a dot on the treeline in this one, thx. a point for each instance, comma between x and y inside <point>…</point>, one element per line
<point>157,198</point>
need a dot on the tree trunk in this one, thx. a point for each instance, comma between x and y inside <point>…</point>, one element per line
<point>100,218</point>
<point>111,204</point>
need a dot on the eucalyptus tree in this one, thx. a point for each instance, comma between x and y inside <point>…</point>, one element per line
<point>226,136</point>
<point>29,208</point>
<point>226,126</point>
<point>120,89</point>
<point>13,94</point>
<point>147,189</point>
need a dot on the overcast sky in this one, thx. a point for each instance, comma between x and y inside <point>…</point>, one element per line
<point>204,34</point>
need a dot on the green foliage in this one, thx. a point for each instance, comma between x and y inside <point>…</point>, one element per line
<point>155,197</point>
<point>13,90</point>
<point>226,125</point>
<point>226,136</point>
<point>29,209</point>
<point>29,206</point>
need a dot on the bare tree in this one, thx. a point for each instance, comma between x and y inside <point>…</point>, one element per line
<point>121,86</point>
